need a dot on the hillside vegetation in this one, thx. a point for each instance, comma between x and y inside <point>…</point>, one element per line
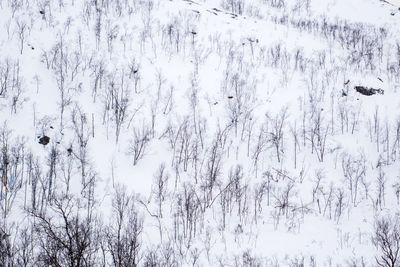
<point>199,133</point>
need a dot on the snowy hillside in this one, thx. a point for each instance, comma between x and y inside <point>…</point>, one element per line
<point>199,133</point>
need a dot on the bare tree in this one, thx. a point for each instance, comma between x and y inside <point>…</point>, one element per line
<point>121,104</point>
<point>98,72</point>
<point>52,162</point>
<point>65,235</point>
<point>12,157</point>
<point>387,240</point>
<point>139,142</point>
<point>339,204</point>
<point>7,253</point>
<point>11,83</point>
<point>318,133</point>
<point>354,169</point>
<point>277,131</point>
<point>22,28</point>
<point>82,133</point>
<point>135,74</point>
<point>380,186</point>
<point>318,187</point>
<point>260,147</point>
<point>5,77</point>
<point>161,184</point>
<point>16,88</point>
<point>296,145</point>
<point>188,211</point>
<point>112,34</point>
<point>213,169</point>
<point>283,198</point>
<point>234,6</point>
<point>123,234</point>
<point>25,252</point>
<point>259,191</point>
<point>61,68</point>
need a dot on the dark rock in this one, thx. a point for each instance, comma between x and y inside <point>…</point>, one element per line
<point>368,91</point>
<point>347,82</point>
<point>69,150</point>
<point>44,140</point>
<point>41,12</point>
<point>230,97</point>
<point>344,93</point>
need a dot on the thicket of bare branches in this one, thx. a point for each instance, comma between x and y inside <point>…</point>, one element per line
<point>235,160</point>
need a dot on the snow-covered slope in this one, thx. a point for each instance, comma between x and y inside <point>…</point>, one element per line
<point>199,133</point>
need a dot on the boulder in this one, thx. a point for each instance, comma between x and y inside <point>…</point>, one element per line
<point>368,91</point>
<point>44,140</point>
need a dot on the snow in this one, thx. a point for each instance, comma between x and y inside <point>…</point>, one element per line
<point>196,63</point>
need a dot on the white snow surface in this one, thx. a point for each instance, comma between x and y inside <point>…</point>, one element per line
<point>197,66</point>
